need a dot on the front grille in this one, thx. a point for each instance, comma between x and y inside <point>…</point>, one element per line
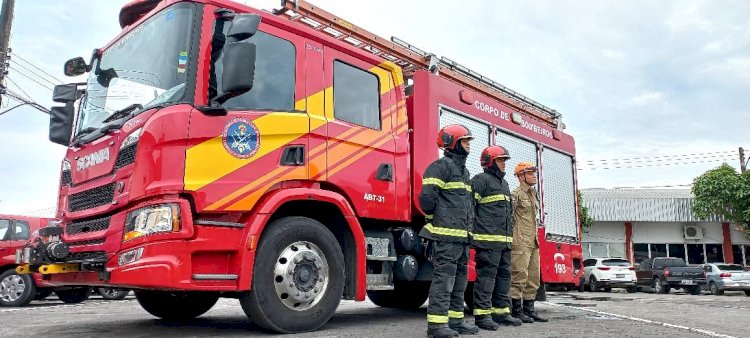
<point>126,156</point>
<point>88,242</point>
<point>91,198</point>
<point>87,256</point>
<point>66,179</point>
<point>93,225</point>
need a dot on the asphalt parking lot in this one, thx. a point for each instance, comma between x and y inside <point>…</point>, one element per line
<point>571,314</point>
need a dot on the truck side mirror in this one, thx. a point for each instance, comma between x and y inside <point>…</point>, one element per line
<point>238,73</point>
<point>243,27</point>
<point>61,124</point>
<point>75,66</point>
<point>65,93</point>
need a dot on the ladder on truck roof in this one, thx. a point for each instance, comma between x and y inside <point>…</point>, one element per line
<point>411,58</point>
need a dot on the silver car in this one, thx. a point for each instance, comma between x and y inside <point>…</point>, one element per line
<point>726,277</point>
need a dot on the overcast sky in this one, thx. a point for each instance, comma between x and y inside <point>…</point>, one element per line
<point>632,78</point>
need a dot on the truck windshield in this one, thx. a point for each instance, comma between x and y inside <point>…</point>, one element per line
<point>147,66</point>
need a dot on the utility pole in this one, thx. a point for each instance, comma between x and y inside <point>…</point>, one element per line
<point>743,163</point>
<point>6,20</point>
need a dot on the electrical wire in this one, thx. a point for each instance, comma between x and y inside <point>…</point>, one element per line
<point>30,78</point>
<point>17,64</point>
<point>19,87</point>
<point>40,69</point>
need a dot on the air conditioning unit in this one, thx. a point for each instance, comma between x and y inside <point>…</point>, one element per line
<point>692,232</point>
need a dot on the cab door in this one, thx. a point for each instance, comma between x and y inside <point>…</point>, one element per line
<point>5,235</point>
<point>361,109</point>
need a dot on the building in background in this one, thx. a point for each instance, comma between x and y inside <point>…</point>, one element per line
<point>645,223</point>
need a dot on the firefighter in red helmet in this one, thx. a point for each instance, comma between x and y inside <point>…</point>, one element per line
<point>446,200</point>
<point>492,237</point>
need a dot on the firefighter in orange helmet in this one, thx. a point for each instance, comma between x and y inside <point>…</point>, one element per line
<point>446,200</point>
<point>491,239</point>
<point>525,253</point>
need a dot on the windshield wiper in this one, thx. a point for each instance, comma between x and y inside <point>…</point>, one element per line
<point>81,134</point>
<point>123,112</point>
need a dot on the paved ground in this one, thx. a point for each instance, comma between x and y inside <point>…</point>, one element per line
<point>572,315</point>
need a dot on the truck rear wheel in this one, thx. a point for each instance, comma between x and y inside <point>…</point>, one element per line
<point>43,293</point>
<point>406,295</point>
<point>176,305</point>
<point>660,287</point>
<point>113,293</point>
<point>298,279</point>
<point>695,290</point>
<point>74,295</point>
<point>15,289</point>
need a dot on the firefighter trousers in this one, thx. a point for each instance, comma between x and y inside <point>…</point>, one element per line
<point>492,287</point>
<point>525,273</point>
<point>449,278</point>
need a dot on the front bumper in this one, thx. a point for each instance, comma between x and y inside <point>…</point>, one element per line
<point>193,258</point>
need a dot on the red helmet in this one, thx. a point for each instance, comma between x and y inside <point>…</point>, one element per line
<point>491,153</point>
<point>448,136</point>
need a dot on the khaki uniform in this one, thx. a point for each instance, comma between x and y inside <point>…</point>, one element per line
<point>525,251</point>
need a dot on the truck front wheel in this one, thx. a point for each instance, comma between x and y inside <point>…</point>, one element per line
<point>74,295</point>
<point>176,305</point>
<point>15,289</point>
<point>408,295</point>
<point>298,279</point>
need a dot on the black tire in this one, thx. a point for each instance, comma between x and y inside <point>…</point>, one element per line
<point>715,289</point>
<point>113,293</point>
<point>593,287</point>
<point>283,312</point>
<point>607,289</point>
<point>177,306</point>
<point>695,290</point>
<point>409,295</point>
<point>747,293</point>
<point>43,293</point>
<point>631,289</point>
<point>16,290</point>
<point>582,284</point>
<point>660,287</point>
<point>74,295</point>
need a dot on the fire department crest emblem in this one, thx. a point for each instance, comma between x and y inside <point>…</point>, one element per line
<point>241,138</point>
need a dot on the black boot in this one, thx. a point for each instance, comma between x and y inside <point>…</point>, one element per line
<point>518,312</point>
<point>506,319</point>
<point>528,309</point>
<point>485,322</point>
<point>462,327</point>
<point>440,331</point>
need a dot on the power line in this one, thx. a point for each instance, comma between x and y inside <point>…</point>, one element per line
<point>42,70</point>
<point>14,107</point>
<point>30,78</point>
<point>656,164</point>
<point>661,156</point>
<point>17,64</point>
<point>19,87</point>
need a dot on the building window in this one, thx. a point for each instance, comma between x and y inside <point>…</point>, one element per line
<point>714,253</point>
<point>356,96</point>
<point>585,250</point>
<point>617,250</point>
<point>658,250</point>
<point>598,250</point>
<point>640,252</point>
<point>695,254</point>
<point>677,250</point>
<point>274,76</point>
<point>739,258</point>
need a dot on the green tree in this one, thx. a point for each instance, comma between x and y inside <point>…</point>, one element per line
<point>724,192</point>
<point>585,219</point>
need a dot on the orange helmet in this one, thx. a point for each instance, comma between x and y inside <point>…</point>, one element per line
<point>448,136</point>
<point>490,153</point>
<point>524,167</point>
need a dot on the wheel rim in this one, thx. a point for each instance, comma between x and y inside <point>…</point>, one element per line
<point>110,292</point>
<point>657,285</point>
<point>301,275</point>
<point>11,288</point>
<point>592,284</point>
<point>714,289</point>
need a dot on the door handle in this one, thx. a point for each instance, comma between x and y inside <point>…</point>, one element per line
<point>385,172</point>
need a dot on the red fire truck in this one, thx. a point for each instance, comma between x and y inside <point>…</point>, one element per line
<point>221,151</point>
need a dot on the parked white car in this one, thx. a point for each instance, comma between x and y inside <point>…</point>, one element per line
<point>607,273</point>
<point>729,277</point>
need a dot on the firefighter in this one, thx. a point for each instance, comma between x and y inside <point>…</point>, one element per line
<point>491,240</point>
<point>525,252</point>
<point>446,200</point>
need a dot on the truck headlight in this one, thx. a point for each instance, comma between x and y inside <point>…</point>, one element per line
<point>151,220</point>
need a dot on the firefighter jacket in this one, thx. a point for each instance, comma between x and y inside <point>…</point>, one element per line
<point>446,200</point>
<point>525,207</point>
<point>493,227</point>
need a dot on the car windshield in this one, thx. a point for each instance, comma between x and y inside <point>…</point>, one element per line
<point>732,267</point>
<point>148,66</point>
<point>615,262</point>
